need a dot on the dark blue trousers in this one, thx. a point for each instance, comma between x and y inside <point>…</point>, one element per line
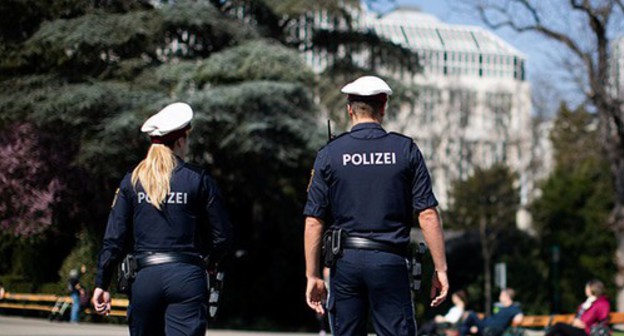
<point>364,280</point>
<point>169,299</point>
<point>472,320</point>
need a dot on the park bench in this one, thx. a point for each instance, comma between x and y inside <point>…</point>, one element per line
<point>53,304</point>
<point>544,321</point>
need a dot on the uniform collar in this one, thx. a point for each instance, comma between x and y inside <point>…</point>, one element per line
<point>366,125</point>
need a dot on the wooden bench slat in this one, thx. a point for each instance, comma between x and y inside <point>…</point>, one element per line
<point>25,306</point>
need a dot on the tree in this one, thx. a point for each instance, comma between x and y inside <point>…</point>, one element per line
<point>486,201</point>
<point>28,185</point>
<point>588,48</point>
<point>330,28</point>
<point>572,211</point>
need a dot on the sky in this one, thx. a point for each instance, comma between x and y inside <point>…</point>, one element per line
<point>541,53</point>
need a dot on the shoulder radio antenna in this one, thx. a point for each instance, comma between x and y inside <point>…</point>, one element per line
<point>329,134</point>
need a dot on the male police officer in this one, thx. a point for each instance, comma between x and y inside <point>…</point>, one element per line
<point>371,183</point>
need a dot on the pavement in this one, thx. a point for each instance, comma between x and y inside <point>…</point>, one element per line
<point>24,326</point>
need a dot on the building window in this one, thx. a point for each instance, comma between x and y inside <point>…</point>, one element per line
<point>428,102</point>
<point>499,106</point>
<point>463,103</point>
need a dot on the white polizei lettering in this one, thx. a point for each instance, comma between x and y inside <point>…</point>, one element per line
<point>369,159</point>
<point>365,161</point>
<point>356,159</point>
<point>171,198</point>
<point>388,158</point>
<point>345,159</point>
<point>378,157</point>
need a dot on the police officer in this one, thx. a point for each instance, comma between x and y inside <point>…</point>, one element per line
<point>371,183</point>
<point>174,215</point>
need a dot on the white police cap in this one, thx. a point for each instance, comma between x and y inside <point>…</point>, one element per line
<point>173,117</point>
<point>367,86</point>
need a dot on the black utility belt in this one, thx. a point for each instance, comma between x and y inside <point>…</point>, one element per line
<point>158,258</point>
<point>369,244</point>
<point>132,264</point>
<point>336,240</point>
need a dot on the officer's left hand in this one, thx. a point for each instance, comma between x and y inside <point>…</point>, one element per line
<point>101,301</point>
<point>316,293</point>
<point>440,285</point>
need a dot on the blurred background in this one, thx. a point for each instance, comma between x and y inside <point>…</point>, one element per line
<point>516,106</point>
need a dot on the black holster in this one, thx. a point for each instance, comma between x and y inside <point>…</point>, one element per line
<point>332,246</point>
<point>416,266</point>
<point>126,272</point>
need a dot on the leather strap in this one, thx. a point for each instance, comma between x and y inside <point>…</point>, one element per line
<point>369,244</point>
<point>159,258</point>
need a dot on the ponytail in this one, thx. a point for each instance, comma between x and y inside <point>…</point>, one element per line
<point>154,173</point>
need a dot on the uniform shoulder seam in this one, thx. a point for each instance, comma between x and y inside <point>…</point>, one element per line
<point>335,138</point>
<point>402,135</point>
<point>195,168</point>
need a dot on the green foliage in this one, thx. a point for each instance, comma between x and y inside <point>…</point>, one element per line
<point>84,253</point>
<point>255,60</point>
<point>573,211</point>
<point>486,202</point>
<point>489,195</point>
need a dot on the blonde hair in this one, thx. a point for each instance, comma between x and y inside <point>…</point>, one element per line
<point>154,173</point>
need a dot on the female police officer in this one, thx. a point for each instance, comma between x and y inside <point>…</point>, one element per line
<point>174,215</point>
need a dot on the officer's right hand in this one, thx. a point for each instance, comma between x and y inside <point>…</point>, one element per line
<point>316,293</point>
<point>101,301</point>
<point>439,285</point>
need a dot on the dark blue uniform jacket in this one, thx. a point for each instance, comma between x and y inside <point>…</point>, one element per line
<point>193,219</point>
<point>371,183</point>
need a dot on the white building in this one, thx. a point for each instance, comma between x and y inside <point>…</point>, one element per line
<point>473,105</point>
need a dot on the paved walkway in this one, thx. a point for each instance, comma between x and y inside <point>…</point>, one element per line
<point>19,326</point>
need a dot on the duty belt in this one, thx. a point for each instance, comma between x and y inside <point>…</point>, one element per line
<point>158,258</point>
<point>369,244</point>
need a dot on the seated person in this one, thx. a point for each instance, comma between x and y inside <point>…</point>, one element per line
<point>593,311</point>
<point>452,317</point>
<point>497,323</point>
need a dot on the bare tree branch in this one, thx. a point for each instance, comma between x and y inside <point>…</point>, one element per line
<point>537,26</point>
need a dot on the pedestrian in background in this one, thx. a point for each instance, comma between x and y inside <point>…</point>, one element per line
<point>592,313</point>
<point>75,291</point>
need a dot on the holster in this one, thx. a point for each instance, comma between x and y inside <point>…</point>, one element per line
<point>418,254</point>
<point>332,246</point>
<point>126,272</point>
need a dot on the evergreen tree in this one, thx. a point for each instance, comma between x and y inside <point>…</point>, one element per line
<point>572,212</point>
<point>487,201</point>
